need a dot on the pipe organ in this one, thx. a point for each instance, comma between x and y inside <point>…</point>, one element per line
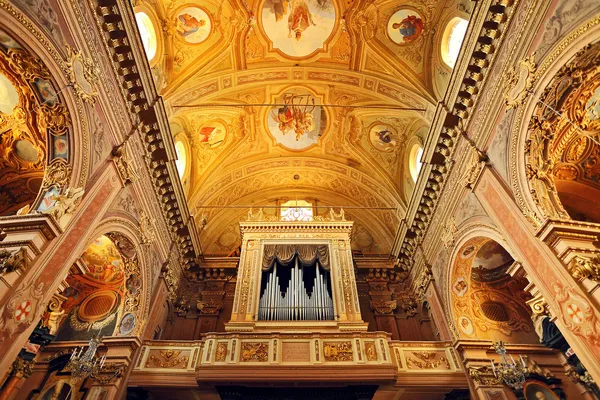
<point>295,275</point>
<point>296,303</point>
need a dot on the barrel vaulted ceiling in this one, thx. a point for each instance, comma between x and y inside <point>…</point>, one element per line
<point>355,83</point>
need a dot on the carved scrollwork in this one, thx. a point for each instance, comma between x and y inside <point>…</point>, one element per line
<point>12,261</point>
<point>483,376</point>
<point>82,74</point>
<point>383,307</point>
<point>582,268</point>
<point>519,81</point>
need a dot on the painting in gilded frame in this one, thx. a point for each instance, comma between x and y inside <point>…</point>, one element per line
<point>534,390</point>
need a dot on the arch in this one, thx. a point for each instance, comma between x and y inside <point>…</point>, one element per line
<point>109,285</point>
<point>67,167</point>
<point>537,143</point>
<point>483,301</point>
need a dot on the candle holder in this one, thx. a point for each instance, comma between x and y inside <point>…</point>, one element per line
<point>84,364</point>
<point>509,372</point>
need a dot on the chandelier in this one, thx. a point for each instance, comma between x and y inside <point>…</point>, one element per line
<point>509,372</point>
<point>84,364</point>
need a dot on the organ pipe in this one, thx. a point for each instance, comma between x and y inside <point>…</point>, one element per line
<point>296,303</point>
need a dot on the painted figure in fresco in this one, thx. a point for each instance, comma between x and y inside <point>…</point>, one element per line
<point>210,135</point>
<point>385,136</point>
<point>296,115</point>
<point>279,8</point>
<point>299,19</point>
<point>410,28</point>
<point>285,118</point>
<point>188,24</point>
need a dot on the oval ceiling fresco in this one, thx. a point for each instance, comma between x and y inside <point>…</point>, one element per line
<point>298,27</point>
<point>298,120</point>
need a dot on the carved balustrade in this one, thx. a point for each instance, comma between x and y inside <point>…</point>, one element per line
<point>238,358</point>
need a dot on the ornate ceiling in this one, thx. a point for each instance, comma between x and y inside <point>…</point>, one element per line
<point>319,100</point>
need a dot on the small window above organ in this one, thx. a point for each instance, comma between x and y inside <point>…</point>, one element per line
<point>296,210</point>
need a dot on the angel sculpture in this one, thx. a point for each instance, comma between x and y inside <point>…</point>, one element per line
<point>66,203</point>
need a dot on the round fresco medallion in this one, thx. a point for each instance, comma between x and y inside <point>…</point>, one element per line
<point>383,137</point>
<point>405,26</point>
<point>467,252</point>
<point>460,286</point>
<point>465,325</point>
<point>193,25</point>
<point>298,122</point>
<point>298,27</point>
<point>127,324</point>
<point>212,134</point>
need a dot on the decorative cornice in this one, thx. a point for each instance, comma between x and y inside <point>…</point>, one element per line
<point>117,22</point>
<point>450,121</point>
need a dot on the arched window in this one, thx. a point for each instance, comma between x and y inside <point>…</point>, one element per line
<point>415,163</point>
<point>147,33</point>
<point>452,40</point>
<point>296,210</point>
<point>181,161</point>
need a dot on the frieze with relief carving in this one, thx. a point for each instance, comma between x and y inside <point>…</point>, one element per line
<point>168,358</point>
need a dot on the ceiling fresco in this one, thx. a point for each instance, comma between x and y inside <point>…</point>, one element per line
<point>299,99</point>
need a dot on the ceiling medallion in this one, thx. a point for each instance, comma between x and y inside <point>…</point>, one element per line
<point>405,26</point>
<point>212,134</point>
<point>193,24</point>
<point>298,28</point>
<point>298,121</point>
<point>383,137</point>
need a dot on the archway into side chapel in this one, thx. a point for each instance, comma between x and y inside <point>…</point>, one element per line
<point>108,290</point>
<point>555,135</point>
<point>485,302</point>
<point>50,115</point>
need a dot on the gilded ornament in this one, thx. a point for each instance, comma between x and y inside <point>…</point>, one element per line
<point>21,368</point>
<point>477,160</point>
<point>12,261</point>
<point>581,268</point>
<point>83,75</point>
<point>210,307</point>
<point>124,164</point>
<point>221,353</point>
<point>519,81</point>
<point>371,351</point>
<point>168,359</point>
<point>255,352</point>
<point>383,307</point>
<point>483,376</point>
<point>426,360</point>
<point>338,351</point>
<point>57,173</point>
<point>147,229</point>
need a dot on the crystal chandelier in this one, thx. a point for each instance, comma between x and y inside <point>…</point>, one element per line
<point>509,372</point>
<point>86,364</point>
